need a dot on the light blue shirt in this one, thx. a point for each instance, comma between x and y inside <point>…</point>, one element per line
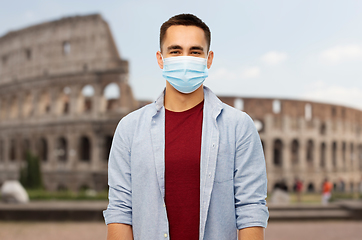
<point>233,183</point>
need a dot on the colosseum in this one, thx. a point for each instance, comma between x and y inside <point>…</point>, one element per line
<point>64,87</point>
<point>307,140</point>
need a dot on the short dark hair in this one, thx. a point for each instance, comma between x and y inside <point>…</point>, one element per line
<point>185,20</point>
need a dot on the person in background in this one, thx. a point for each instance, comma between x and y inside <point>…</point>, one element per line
<point>326,191</point>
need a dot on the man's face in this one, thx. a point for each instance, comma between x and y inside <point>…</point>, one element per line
<point>184,41</point>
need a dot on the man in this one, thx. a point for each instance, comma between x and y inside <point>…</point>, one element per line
<point>186,166</point>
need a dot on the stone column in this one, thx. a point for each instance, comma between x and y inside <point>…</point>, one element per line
<point>73,101</point>
<point>97,100</point>
<point>302,155</point>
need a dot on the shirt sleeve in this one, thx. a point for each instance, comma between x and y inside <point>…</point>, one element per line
<point>250,181</point>
<point>119,209</point>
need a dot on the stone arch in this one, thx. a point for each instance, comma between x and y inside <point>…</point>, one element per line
<point>84,149</point>
<point>25,147</point>
<point>28,105</point>
<point>111,94</point>
<point>64,101</point>
<point>323,155</point>
<point>308,112</point>
<point>44,103</point>
<point>323,129</point>
<point>334,154</point>
<point>86,98</point>
<point>277,106</point>
<point>62,149</point>
<point>310,187</point>
<point>12,150</point>
<point>14,107</point>
<point>43,149</point>
<point>107,146</point>
<point>278,153</point>
<point>310,151</point>
<point>295,151</point>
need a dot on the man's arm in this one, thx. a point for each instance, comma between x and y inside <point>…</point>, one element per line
<point>251,233</point>
<point>119,231</point>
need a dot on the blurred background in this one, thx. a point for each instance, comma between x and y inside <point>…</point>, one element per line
<point>70,70</point>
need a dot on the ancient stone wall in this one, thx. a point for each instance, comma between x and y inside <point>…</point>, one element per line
<point>307,140</point>
<point>63,89</point>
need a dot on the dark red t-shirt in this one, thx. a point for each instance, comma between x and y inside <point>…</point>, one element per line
<point>182,172</point>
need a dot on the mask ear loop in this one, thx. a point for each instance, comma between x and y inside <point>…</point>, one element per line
<point>163,60</point>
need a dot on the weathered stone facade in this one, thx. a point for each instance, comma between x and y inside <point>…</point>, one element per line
<point>53,102</point>
<point>308,140</point>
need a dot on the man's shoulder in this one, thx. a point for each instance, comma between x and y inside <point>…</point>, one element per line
<point>140,114</point>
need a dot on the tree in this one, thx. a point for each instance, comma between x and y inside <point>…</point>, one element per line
<point>30,175</point>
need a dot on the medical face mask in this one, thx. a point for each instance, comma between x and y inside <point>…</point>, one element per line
<point>185,73</point>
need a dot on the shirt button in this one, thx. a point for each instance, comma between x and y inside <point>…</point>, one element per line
<point>165,235</point>
<point>213,145</point>
<point>209,175</point>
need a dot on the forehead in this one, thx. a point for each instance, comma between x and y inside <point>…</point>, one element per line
<point>185,36</point>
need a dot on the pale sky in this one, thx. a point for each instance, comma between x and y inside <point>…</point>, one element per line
<point>295,49</point>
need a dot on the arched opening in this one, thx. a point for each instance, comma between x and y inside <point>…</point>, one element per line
<point>14,110</point>
<point>64,100</point>
<point>323,155</point>
<point>310,188</point>
<point>323,129</point>
<point>310,152</point>
<point>351,187</point>
<point>295,152</point>
<point>12,152</point>
<point>85,149</point>
<point>43,149</point>
<point>107,146</point>
<point>277,106</point>
<point>62,149</point>
<point>278,151</point>
<point>86,98</point>
<point>25,148</point>
<point>44,103</point>
<point>112,94</point>
<point>239,104</point>
<point>308,112</point>
<point>334,154</point>
<point>66,47</point>
<point>28,105</point>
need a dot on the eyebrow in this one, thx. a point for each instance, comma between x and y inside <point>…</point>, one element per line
<point>172,47</point>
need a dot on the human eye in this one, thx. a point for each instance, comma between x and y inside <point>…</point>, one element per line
<point>175,52</point>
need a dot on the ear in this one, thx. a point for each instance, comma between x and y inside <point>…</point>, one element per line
<point>159,59</point>
<point>210,59</point>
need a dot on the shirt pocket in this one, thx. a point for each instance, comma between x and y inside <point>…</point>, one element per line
<point>224,166</point>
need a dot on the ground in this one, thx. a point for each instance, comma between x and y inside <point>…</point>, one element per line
<point>327,230</point>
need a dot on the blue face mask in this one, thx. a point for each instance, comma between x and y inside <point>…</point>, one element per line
<point>185,73</point>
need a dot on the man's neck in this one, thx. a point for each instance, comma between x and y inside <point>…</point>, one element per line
<point>179,102</point>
